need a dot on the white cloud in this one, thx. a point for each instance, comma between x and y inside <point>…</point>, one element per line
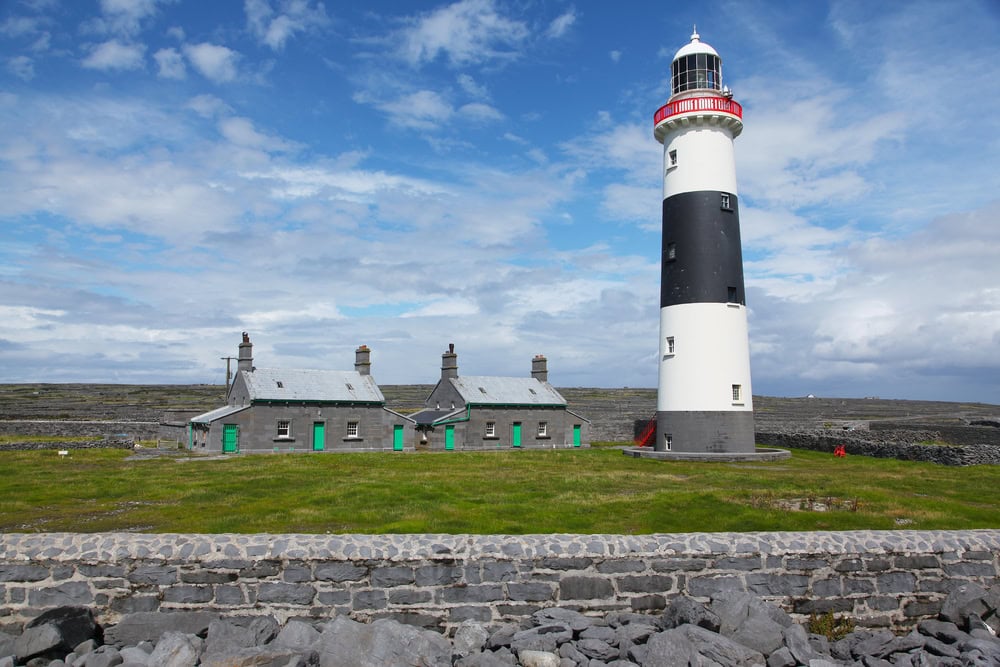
<point>424,109</point>
<point>123,17</point>
<point>561,25</point>
<point>22,67</point>
<point>479,112</point>
<point>471,88</point>
<point>171,64</point>
<point>615,56</point>
<point>19,26</point>
<point>467,32</point>
<point>114,55</point>
<point>214,62</point>
<point>208,106</point>
<point>274,28</point>
<point>241,131</point>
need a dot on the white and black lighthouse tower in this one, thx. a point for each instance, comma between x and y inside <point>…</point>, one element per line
<point>704,401</point>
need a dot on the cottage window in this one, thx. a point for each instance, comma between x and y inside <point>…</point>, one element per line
<point>352,429</point>
<point>491,429</point>
<point>284,428</point>
<point>543,429</point>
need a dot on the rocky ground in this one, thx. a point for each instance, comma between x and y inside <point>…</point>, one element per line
<point>613,412</point>
<point>736,629</point>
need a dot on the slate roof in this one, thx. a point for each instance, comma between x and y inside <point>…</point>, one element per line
<point>218,413</point>
<point>430,415</point>
<point>280,384</point>
<point>491,390</point>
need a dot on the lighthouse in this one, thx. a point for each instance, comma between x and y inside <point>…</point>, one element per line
<point>704,401</point>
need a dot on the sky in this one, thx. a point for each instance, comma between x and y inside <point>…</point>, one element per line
<point>407,175</point>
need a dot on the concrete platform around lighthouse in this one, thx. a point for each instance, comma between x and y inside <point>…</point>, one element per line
<point>762,454</point>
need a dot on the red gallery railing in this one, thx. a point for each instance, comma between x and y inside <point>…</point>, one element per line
<point>698,104</point>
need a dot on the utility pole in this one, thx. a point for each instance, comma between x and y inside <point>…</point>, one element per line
<point>229,373</point>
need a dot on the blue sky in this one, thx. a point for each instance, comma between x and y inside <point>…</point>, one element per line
<point>411,174</point>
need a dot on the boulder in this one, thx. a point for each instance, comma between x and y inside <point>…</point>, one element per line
<point>542,638</point>
<point>693,645</point>
<point>176,649</point>
<point>297,635</point>
<point>151,625</point>
<point>384,643</point>
<point>969,598</point>
<point>470,637</point>
<point>683,609</point>
<point>55,632</point>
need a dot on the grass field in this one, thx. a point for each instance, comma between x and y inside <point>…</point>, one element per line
<point>585,491</point>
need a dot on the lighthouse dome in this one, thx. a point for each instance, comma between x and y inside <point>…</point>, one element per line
<point>695,46</point>
<point>696,66</point>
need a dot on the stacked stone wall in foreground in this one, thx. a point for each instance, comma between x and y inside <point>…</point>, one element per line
<point>882,578</point>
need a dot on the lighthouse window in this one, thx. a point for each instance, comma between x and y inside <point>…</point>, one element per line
<point>731,295</point>
<point>725,201</point>
<point>670,344</point>
<point>671,251</point>
<point>673,158</point>
<point>668,441</point>
<point>737,393</point>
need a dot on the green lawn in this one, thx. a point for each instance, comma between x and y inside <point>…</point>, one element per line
<point>583,491</point>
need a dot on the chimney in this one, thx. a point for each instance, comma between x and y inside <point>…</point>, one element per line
<point>245,359</point>
<point>449,363</point>
<point>540,368</point>
<point>363,360</point>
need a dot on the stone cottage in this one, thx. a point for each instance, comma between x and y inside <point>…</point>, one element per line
<point>288,410</point>
<point>486,412</point>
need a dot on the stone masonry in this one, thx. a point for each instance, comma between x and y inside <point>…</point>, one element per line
<point>882,578</point>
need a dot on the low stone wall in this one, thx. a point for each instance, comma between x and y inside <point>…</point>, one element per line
<point>885,444</point>
<point>79,428</point>
<point>882,578</point>
<point>104,443</point>
<point>974,434</point>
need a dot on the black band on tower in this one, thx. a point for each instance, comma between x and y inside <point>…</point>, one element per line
<point>702,258</point>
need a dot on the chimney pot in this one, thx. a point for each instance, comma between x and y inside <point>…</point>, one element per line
<point>363,360</point>
<point>245,357</point>
<point>449,363</point>
<point>540,368</point>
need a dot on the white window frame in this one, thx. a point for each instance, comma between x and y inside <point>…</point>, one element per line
<point>353,429</point>
<point>286,426</point>
<point>726,201</point>
<point>737,393</point>
<point>543,429</point>
<point>672,158</point>
<point>670,346</point>
<point>491,430</point>
<point>668,441</point>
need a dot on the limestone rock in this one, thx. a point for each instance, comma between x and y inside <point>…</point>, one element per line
<point>384,643</point>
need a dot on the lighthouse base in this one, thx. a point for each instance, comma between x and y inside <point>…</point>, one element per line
<point>715,432</point>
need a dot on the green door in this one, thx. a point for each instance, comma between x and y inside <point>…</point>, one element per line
<point>516,434</point>
<point>397,438</point>
<point>319,436</point>
<point>449,437</point>
<point>230,438</point>
<point>576,435</point>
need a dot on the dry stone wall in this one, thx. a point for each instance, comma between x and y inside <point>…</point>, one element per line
<point>882,578</point>
<point>902,445</point>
